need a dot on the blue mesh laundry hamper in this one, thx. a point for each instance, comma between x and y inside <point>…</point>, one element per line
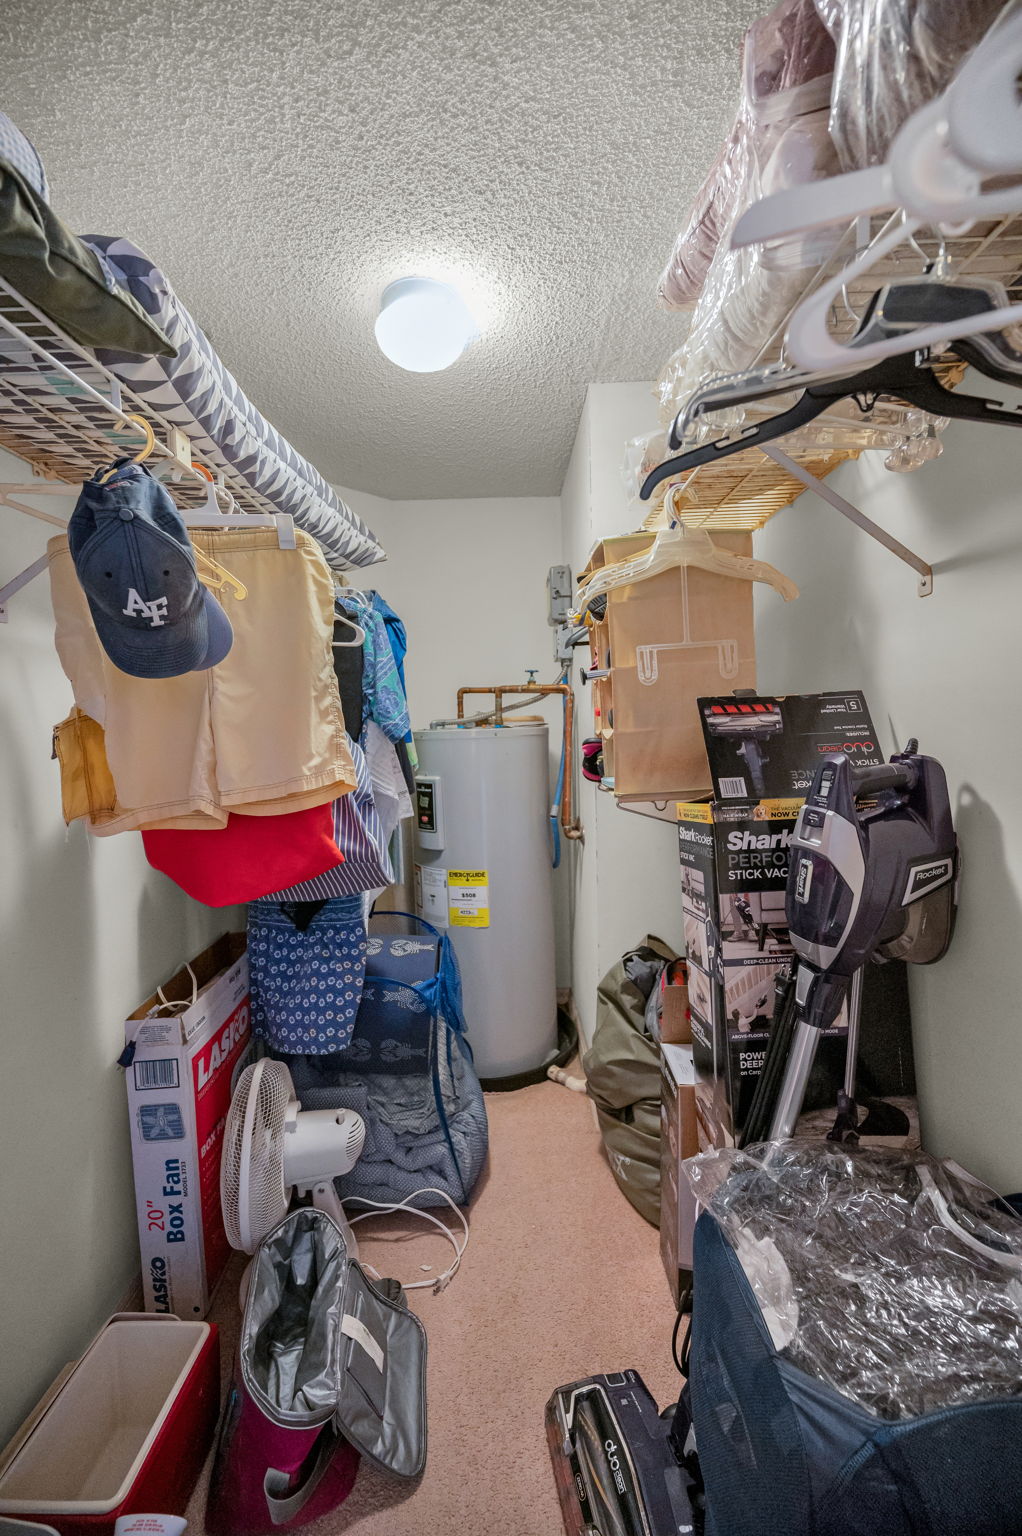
<point>407,1071</point>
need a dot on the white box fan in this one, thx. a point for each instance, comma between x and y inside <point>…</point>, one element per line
<point>272,1146</point>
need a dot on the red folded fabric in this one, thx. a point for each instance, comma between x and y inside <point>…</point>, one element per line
<point>250,857</point>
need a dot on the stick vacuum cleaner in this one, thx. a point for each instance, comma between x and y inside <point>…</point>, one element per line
<point>876,881</point>
<point>751,725</point>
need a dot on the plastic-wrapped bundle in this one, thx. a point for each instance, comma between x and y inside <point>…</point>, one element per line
<point>642,455</point>
<point>710,219</point>
<point>895,1278</point>
<point>893,56</point>
<point>747,293</point>
<point>788,57</point>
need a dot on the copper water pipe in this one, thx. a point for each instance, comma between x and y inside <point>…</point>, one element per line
<point>571,829</point>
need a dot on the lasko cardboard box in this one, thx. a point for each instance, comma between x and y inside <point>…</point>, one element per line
<point>180,1079</point>
<point>678,1139</point>
<point>734,854</point>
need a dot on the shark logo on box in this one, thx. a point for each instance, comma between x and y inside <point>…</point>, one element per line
<point>739,842</point>
<point>690,835</point>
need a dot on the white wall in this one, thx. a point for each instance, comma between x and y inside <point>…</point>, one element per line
<point>626,873</point>
<point>943,668</point>
<point>469,580</point>
<point>87,930</point>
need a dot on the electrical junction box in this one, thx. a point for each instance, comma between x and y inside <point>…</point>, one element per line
<point>429,811</point>
<point>558,588</point>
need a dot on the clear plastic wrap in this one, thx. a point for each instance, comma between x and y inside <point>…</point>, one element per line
<point>893,56</point>
<point>642,455</point>
<point>710,219</point>
<point>895,1278</point>
<point>788,57</point>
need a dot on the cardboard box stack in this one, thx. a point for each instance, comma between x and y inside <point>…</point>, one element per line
<point>734,869</point>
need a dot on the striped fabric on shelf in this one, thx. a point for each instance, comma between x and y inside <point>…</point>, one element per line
<point>197,393</point>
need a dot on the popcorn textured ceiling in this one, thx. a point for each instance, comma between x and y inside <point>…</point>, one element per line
<point>284,160</point>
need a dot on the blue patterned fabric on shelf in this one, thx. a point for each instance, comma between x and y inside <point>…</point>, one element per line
<point>197,393</point>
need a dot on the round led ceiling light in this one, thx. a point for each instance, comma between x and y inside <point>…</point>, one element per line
<point>423,325</point>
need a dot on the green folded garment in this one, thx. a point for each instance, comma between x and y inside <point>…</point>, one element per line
<point>52,269</point>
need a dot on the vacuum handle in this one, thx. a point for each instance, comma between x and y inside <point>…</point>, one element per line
<point>870,780</point>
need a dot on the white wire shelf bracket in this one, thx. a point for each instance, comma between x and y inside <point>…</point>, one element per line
<point>64,412</point>
<point>852,513</point>
<point>21,580</point>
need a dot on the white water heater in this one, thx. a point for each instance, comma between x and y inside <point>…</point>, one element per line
<point>483,871</point>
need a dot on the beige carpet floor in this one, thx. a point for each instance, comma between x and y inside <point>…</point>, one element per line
<point>562,1278</point>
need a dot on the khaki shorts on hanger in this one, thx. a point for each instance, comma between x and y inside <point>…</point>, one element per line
<point>262,733</point>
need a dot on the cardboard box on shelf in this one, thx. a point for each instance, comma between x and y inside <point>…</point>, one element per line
<point>180,1080</point>
<point>663,642</point>
<point>679,1139</point>
<point>734,871</point>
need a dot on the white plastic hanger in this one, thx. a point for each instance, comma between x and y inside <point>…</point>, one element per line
<point>811,345</point>
<point>680,546</point>
<point>647,664</point>
<point>212,515</point>
<point>360,634</point>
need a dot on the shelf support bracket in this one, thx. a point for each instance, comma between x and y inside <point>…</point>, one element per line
<point>822,489</point>
<point>16,583</point>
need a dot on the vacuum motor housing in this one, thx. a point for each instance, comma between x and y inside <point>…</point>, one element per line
<point>875,881</point>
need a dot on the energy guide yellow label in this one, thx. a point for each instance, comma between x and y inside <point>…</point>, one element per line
<point>468,898</point>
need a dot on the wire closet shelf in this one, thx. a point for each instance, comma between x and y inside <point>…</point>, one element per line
<point>744,491</point>
<point>64,412</point>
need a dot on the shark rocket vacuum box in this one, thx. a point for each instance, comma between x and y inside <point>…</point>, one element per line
<point>762,753</point>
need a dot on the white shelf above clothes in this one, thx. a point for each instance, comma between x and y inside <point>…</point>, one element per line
<point>65,414</point>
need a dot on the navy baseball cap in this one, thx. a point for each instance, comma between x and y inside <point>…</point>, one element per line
<point>136,564</point>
